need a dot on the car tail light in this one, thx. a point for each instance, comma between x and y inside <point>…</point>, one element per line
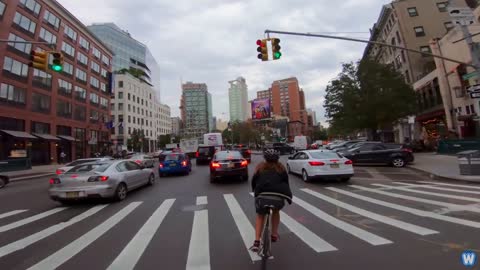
<point>348,162</point>
<point>215,165</point>
<point>244,163</point>
<point>138,161</point>
<point>407,150</point>
<point>58,171</point>
<point>103,178</point>
<point>74,176</point>
<point>98,178</point>
<point>316,163</point>
<point>197,154</point>
<point>334,160</point>
<point>184,163</point>
<point>160,165</point>
<point>249,151</point>
<point>54,181</point>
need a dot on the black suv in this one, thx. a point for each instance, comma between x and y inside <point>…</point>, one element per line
<point>282,148</point>
<point>205,154</point>
<point>244,150</point>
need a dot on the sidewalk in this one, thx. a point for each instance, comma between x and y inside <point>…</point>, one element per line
<point>441,167</point>
<point>35,171</point>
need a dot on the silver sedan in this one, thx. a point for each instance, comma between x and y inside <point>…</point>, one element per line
<point>110,179</point>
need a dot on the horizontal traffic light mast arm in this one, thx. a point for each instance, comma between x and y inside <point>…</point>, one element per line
<point>28,42</point>
<point>369,42</point>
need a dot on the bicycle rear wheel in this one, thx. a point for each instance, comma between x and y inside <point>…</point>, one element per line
<point>266,241</point>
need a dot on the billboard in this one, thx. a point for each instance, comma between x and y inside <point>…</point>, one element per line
<point>261,109</point>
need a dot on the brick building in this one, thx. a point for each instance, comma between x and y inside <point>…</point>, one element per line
<point>45,113</point>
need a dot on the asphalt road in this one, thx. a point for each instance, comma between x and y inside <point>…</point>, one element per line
<point>185,222</point>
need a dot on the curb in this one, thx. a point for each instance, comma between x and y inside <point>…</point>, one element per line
<point>23,178</point>
<point>439,177</point>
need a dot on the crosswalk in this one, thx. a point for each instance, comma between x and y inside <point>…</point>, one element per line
<point>315,202</point>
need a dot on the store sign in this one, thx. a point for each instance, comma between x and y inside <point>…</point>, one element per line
<point>18,153</point>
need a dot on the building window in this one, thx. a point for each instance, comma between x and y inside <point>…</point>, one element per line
<point>103,87</point>
<point>442,6</point>
<point>84,43</point>
<point>95,67</point>
<point>81,75</point>
<point>120,106</point>
<point>128,118</point>
<point>448,26</point>
<point>419,31</point>
<point>68,49</point>
<point>407,76</point>
<point>67,68</point>
<point>15,67</point>
<point>64,109</point>
<point>120,95</point>
<point>2,9</point>
<point>103,102</point>
<point>425,49</point>
<point>51,19</point>
<point>94,82</point>
<point>412,11</point>
<point>69,32</point>
<point>105,60</point>
<point>94,116</point>
<point>41,128</point>
<point>23,47</point>
<point>41,78</point>
<point>402,54</point>
<point>32,6</point>
<point>120,84</point>
<point>64,87</point>
<point>40,103</point>
<point>94,98</point>
<point>48,36</point>
<point>96,53</point>
<point>25,23</point>
<point>104,73</point>
<point>80,93</point>
<point>12,94</point>
<point>82,58</point>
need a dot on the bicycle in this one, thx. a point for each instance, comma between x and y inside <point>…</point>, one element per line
<point>264,250</point>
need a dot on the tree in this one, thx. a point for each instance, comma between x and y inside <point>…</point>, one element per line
<point>367,95</point>
<point>136,140</point>
<point>163,140</point>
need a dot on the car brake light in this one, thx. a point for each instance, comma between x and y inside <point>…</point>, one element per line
<point>244,163</point>
<point>348,162</point>
<point>407,150</point>
<point>103,178</point>
<point>74,176</point>
<point>249,151</point>
<point>197,154</point>
<point>184,163</point>
<point>316,163</point>
<point>215,165</point>
<point>59,172</point>
<point>160,165</point>
<point>138,161</point>
<point>54,181</point>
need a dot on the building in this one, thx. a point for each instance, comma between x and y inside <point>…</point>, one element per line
<point>238,100</point>
<point>176,125</point>
<point>45,113</point>
<point>312,114</point>
<point>135,107</point>
<point>264,94</point>
<point>196,110</point>
<point>214,121</point>
<point>128,52</point>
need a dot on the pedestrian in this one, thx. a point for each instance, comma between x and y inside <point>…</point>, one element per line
<point>62,157</point>
<point>270,186</point>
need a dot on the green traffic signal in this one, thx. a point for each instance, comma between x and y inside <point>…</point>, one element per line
<point>277,55</point>
<point>57,68</point>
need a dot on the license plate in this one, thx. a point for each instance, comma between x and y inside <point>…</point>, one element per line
<point>173,164</point>
<point>231,165</point>
<point>334,166</point>
<point>74,194</point>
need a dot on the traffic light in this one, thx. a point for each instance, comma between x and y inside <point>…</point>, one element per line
<point>39,60</point>
<point>276,48</point>
<point>262,49</point>
<point>57,62</point>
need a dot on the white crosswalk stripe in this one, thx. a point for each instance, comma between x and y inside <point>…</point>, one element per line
<point>11,213</point>
<point>384,219</point>
<point>410,210</point>
<point>199,249</point>
<point>450,185</point>
<point>430,193</point>
<point>31,219</point>
<point>438,188</point>
<point>60,257</point>
<point>355,231</point>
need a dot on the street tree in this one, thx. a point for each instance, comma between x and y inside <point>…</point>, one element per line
<point>367,95</point>
<point>163,140</point>
<point>136,140</point>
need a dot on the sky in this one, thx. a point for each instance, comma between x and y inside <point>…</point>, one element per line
<point>214,41</point>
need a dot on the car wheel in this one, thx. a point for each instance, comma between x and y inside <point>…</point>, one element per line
<point>345,179</point>
<point>121,192</point>
<point>151,179</point>
<point>398,162</point>
<point>2,182</point>
<point>288,169</point>
<point>305,176</point>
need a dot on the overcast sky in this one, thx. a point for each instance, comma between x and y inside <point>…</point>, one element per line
<point>213,41</point>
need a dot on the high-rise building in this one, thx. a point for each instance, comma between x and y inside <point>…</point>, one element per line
<point>265,94</point>
<point>129,52</point>
<point>45,113</point>
<point>196,110</point>
<point>176,125</point>
<point>313,114</point>
<point>238,100</point>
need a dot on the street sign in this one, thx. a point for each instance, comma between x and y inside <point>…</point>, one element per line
<point>475,95</point>
<point>460,12</point>
<point>468,76</point>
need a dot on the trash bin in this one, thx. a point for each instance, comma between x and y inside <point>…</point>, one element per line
<point>469,162</point>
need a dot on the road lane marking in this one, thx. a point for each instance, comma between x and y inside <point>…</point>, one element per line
<point>243,224</point>
<point>384,219</point>
<point>429,193</point>
<point>307,236</point>
<point>31,219</point>
<point>11,213</point>
<point>130,255</point>
<point>450,185</point>
<point>66,253</point>
<point>202,200</point>
<point>410,210</point>
<point>25,242</point>
<point>438,188</point>
<point>355,231</point>
<point>199,249</point>
<point>452,206</point>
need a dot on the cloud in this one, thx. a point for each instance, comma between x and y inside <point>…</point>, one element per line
<point>213,41</point>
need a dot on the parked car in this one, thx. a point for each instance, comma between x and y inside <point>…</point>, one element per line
<point>282,148</point>
<point>205,154</point>
<point>245,151</point>
<point>354,145</point>
<point>143,159</point>
<point>175,163</point>
<point>344,144</point>
<point>105,179</point>
<point>228,164</point>
<point>320,164</point>
<point>381,153</point>
<point>4,180</point>
<point>77,162</point>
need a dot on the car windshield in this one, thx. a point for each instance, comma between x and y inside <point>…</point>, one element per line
<point>324,155</point>
<point>224,155</point>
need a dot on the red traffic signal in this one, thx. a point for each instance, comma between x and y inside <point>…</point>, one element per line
<point>262,49</point>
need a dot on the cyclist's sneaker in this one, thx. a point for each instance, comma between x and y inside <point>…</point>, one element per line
<point>275,238</point>
<point>256,246</point>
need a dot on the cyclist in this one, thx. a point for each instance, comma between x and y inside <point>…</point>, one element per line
<point>271,187</point>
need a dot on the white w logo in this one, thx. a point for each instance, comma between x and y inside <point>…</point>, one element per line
<point>469,258</point>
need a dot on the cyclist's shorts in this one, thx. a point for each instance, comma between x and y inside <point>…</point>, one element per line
<point>261,203</point>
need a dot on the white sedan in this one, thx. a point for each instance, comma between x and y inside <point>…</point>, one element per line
<point>320,164</point>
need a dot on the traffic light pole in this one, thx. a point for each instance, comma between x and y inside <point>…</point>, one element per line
<point>28,42</point>
<point>371,42</point>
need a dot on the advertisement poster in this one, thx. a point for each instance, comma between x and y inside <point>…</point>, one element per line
<point>261,108</point>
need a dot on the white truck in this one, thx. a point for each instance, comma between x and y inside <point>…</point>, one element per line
<point>213,139</point>
<point>300,143</point>
<point>189,146</point>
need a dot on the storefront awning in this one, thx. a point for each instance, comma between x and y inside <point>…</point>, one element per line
<point>430,115</point>
<point>46,137</point>
<point>65,137</point>
<point>19,134</point>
